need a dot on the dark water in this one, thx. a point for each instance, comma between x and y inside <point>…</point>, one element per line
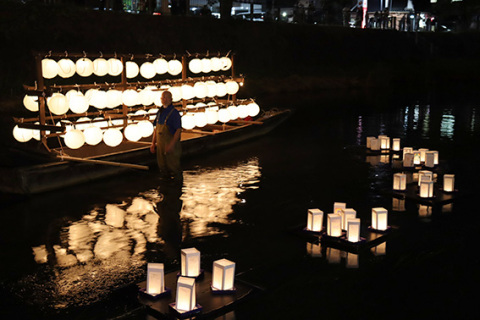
<point>78,253</point>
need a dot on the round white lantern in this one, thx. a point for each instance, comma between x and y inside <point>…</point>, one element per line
<point>31,103</point>
<point>176,93</point>
<point>174,67</point>
<point>89,94</point>
<point>233,112</point>
<point>93,135</point>
<point>130,97</point>
<point>200,119</point>
<point>211,88</point>
<point>146,96</point>
<point>66,123</point>
<point>146,128</point>
<point>84,67</point>
<point>49,68</point>
<point>85,123</point>
<point>253,109</point>
<point>66,68</point>
<point>112,137</point>
<point>161,66</point>
<point>132,69</point>
<point>115,67</point>
<point>70,94</point>
<point>74,139</point>
<point>188,121</point>
<point>223,115</point>
<point>132,132</point>
<point>212,115</point>
<point>242,111</point>
<point>195,65</point>
<point>206,65</point>
<point>157,98</point>
<point>200,89</point>
<point>100,67</point>
<point>221,89</point>
<point>22,134</point>
<point>216,64</point>
<point>226,63</point>
<point>187,92</point>
<point>114,98</point>
<point>99,99</point>
<point>147,70</point>
<point>232,87</point>
<point>77,102</point>
<point>57,104</point>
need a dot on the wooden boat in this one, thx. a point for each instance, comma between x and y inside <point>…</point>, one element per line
<point>64,167</point>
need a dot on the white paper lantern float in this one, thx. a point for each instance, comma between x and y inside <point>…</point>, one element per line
<point>195,65</point>
<point>22,134</point>
<point>115,67</point>
<point>211,88</point>
<point>190,262</point>
<point>232,87</point>
<point>100,67</point>
<point>84,67</point>
<point>77,102</point>
<point>147,70</point>
<point>206,65</point>
<point>74,139</point>
<point>314,220</point>
<point>57,104</point>
<point>223,275</point>
<point>200,89</point>
<point>174,67</point>
<point>49,68</point>
<point>112,137</point>
<point>146,96</point>
<point>188,121</point>
<point>200,119</point>
<point>146,128</point>
<point>132,132</point>
<point>66,68</point>
<point>223,115</point>
<point>93,135</point>
<point>379,219</point>
<point>188,92</point>
<point>31,103</point>
<point>114,98</point>
<point>99,99</point>
<point>242,111</point>
<point>221,89</point>
<point>212,115</point>
<point>155,279</point>
<point>130,97</point>
<point>161,66</point>
<point>253,109</point>
<point>132,69</point>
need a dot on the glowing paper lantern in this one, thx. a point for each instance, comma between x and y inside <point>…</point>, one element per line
<point>429,159</point>
<point>226,63</point>
<point>114,98</point>
<point>130,97</point>
<point>353,230</point>
<point>379,219</point>
<point>216,64</point>
<point>338,207</point>
<point>66,68</point>
<point>146,96</point>
<point>147,70</point>
<point>211,88</point>
<point>396,144</point>
<point>384,142</point>
<point>188,121</point>
<point>57,104</point>
<point>400,181</point>
<point>161,66</point>
<point>132,69</point>
<point>195,65</point>
<point>22,134</point>
<point>174,67</point>
<point>146,128</point>
<point>232,87</point>
<point>93,135</point>
<point>232,110</point>
<point>200,89</point>
<point>155,278</point>
<point>115,67</point>
<point>49,68</point>
<point>100,67</point>
<point>423,153</point>
<point>99,99</point>
<point>334,225</point>
<point>186,296</point>
<point>83,123</point>
<point>188,92</point>
<point>212,115</point>
<point>157,98</point>
<point>448,182</point>
<point>221,89</point>
<point>417,157</point>
<point>176,93</point>
<point>200,119</point>
<point>223,115</point>
<point>84,67</point>
<point>206,65</point>
<point>242,111</point>
<point>223,275</point>
<point>132,132</point>
<point>315,220</point>
<point>408,160</point>
<point>74,139</point>
<point>426,189</point>
<point>190,262</point>
<point>424,175</point>
<point>112,137</point>
<point>369,142</point>
<point>407,150</point>
<point>346,215</point>
<point>253,109</point>
<point>78,103</point>
<point>375,144</point>
<point>31,103</point>
<point>435,159</point>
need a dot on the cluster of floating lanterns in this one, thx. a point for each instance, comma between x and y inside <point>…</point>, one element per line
<point>85,67</point>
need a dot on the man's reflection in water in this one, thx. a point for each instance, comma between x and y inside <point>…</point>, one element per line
<point>169,226</point>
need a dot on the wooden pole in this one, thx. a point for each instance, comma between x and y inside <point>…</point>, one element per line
<point>110,163</point>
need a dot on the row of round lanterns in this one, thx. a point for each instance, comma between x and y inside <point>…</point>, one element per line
<point>78,102</point>
<point>207,65</point>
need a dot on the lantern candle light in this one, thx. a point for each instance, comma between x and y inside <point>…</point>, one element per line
<point>315,220</point>
<point>408,160</point>
<point>190,262</point>
<point>155,279</point>
<point>334,225</point>
<point>430,159</point>
<point>448,182</point>
<point>185,301</point>
<point>353,230</point>
<point>400,181</point>
<point>426,189</point>
<point>347,214</point>
<point>417,157</point>
<point>396,144</point>
<point>338,207</point>
<point>379,219</point>
<point>423,153</point>
<point>384,142</point>
<point>223,276</point>
<point>407,150</point>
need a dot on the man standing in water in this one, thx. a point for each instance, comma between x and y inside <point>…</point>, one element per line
<point>166,138</point>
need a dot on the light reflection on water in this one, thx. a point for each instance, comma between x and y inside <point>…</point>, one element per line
<point>447,125</point>
<point>108,246</point>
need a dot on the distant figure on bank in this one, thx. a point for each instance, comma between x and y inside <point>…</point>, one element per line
<point>166,138</point>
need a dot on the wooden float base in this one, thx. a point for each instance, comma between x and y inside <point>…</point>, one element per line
<point>213,304</point>
<point>440,197</point>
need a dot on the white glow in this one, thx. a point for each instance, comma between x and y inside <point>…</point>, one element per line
<point>57,104</point>
<point>115,67</point>
<point>315,220</point>
<point>132,69</point>
<point>174,67</point>
<point>22,134</point>
<point>93,135</point>
<point>100,67</point>
<point>31,103</point>
<point>130,97</point>
<point>66,68</point>
<point>223,275</point>
<point>49,68</point>
<point>74,139</point>
<point>112,137</point>
<point>147,70</point>
<point>195,65</point>
<point>161,66</point>
<point>188,121</point>
<point>84,67</point>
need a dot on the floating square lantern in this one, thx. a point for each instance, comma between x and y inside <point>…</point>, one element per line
<point>408,161</point>
<point>353,230</point>
<point>185,301</point>
<point>375,144</point>
<point>448,182</point>
<point>338,207</point>
<point>379,219</point>
<point>407,150</point>
<point>396,144</point>
<point>424,175</point>
<point>435,159</point>
<point>417,157</point>
<point>347,214</point>
<point>400,181</point>
<point>426,189</point>
<point>315,220</point>
<point>423,153</point>
<point>334,225</point>
<point>223,275</point>
<point>384,142</point>
<point>430,159</point>
<point>190,262</point>
<point>155,279</point>
<point>369,142</point>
